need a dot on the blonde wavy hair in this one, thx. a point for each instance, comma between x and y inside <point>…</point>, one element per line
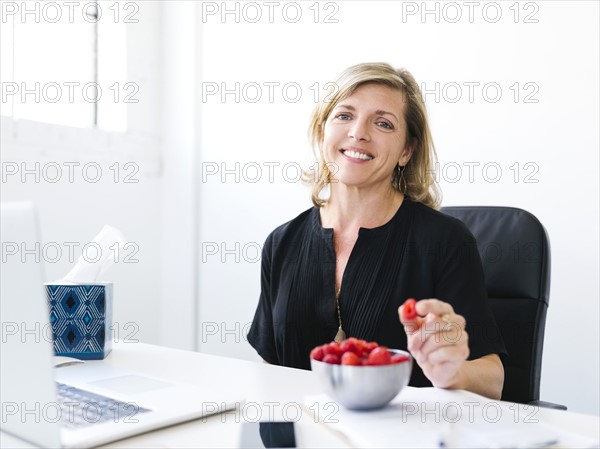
<point>419,181</point>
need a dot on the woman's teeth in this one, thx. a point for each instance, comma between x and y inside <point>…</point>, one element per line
<point>357,155</point>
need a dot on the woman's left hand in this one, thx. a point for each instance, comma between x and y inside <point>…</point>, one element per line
<point>438,341</point>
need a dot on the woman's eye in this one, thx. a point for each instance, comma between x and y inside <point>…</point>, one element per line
<point>343,116</point>
<point>385,125</point>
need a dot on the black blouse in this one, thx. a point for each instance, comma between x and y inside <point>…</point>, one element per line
<point>419,253</point>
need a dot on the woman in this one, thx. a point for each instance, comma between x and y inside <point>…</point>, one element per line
<point>374,239</point>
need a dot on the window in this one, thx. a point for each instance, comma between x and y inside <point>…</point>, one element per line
<point>65,62</point>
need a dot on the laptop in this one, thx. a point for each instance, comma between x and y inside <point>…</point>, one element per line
<point>81,405</point>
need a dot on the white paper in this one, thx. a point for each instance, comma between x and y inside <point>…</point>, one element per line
<point>103,248</point>
<point>433,418</point>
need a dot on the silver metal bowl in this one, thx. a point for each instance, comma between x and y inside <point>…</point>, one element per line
<point>364,387</point>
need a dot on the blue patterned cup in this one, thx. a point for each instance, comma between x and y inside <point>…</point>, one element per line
<point>81,319</point>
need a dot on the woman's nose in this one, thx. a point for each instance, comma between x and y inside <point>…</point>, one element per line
<point>359,130</point>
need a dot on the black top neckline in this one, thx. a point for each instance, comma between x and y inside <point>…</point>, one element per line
<point>328,232</point>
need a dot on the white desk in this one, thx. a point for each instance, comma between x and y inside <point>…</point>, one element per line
<point>269,391</point>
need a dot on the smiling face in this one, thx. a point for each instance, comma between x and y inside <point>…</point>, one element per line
<point>365,137</point>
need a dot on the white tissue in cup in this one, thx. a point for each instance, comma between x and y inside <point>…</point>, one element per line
<point>81,307</point>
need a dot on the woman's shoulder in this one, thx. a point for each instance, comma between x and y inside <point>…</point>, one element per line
<point>432,222</point>
<point>294,229</point>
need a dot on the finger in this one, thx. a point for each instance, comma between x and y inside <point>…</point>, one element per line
<point>443,375</point>
<point>419,331</point>
<point>448,354</point>
<point>413,335</point>
<point>444,338</point>
<point>448,324</point>
<point>418,335</point>
<point>453,320</point>
<point>419,358</point>
<point>434,306</point>
<point>414,343</point>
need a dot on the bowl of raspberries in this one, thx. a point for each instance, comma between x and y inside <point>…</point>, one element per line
<point>361,375</point>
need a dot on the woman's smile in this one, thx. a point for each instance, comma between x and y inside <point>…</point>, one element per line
<point>356,154</point>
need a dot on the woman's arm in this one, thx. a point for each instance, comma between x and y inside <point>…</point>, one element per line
<point>260,335</point>
<point>440,345</point>
<point>484,376</point>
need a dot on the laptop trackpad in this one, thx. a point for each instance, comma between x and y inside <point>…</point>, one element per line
<point>131,384</point>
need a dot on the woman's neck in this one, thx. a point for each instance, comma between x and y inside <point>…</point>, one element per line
<point>348,209</point>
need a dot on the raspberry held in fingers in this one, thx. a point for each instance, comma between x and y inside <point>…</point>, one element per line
<point>409,309</point>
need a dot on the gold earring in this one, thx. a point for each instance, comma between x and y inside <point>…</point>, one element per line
<point>402,179</point>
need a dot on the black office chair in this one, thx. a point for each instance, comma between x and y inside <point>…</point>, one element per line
<point>515,253</point>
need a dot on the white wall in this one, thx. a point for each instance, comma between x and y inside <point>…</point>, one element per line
<point>557,135</point>
<point>71,214</point>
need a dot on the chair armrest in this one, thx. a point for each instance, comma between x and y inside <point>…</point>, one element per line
<point>547,405</point>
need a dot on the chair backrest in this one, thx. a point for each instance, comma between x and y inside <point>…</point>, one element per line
<point>515,252</point>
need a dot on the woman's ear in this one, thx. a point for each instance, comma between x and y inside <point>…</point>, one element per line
<point>406,155</point>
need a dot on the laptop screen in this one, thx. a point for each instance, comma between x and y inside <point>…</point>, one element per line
<point>27,377</point>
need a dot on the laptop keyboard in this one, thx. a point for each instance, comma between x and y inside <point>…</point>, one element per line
<point>81,408</point>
